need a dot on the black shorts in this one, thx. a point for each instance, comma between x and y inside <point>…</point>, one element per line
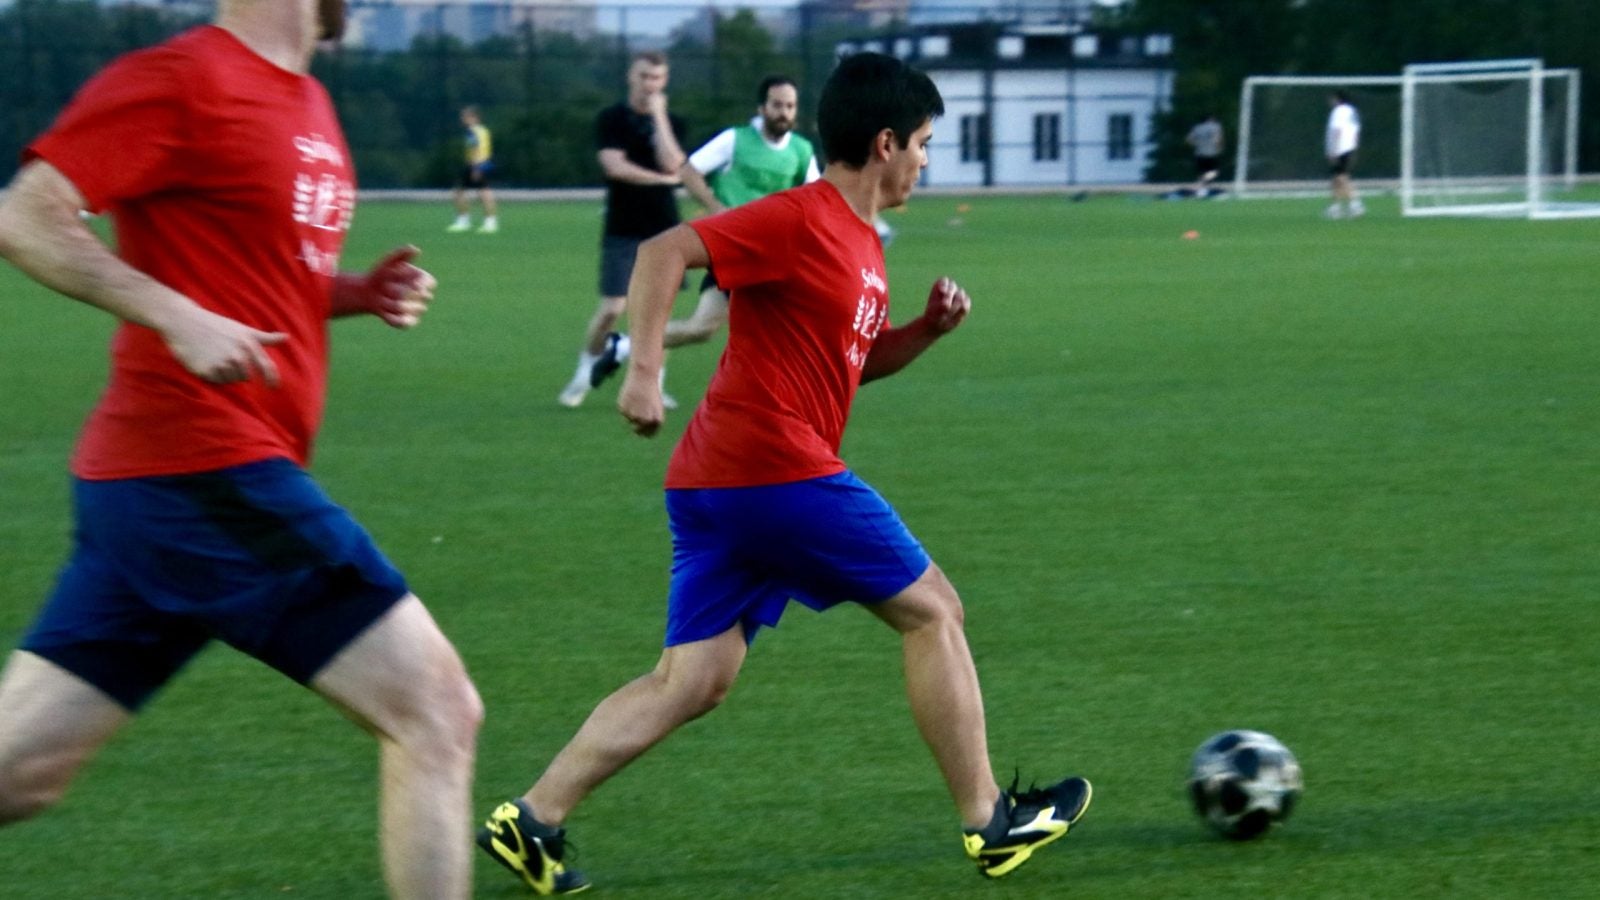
<point>616,263</point>
<point>709,282</point>
<point>474,176</point>
<point>1341,163</point>
<point>1206,164</point>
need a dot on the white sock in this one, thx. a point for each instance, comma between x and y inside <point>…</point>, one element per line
<point>586,362</point>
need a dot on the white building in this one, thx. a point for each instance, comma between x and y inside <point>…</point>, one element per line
<point>1037,104</point>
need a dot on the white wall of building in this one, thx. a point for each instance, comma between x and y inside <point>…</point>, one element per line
<point>1084,102</point>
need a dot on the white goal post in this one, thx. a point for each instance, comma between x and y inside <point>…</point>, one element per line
<point>1490,138</point>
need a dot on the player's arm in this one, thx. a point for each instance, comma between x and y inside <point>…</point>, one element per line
<point>669,156</point>
<point>714,156</point>
<point>896,348</point>
<point>42,234</point>
<point>657,273</point>
<point>617,167</point>
<point>394,290</point>
<point>696,185</point>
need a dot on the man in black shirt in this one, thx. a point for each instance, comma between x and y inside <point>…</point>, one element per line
<point>640,151</point>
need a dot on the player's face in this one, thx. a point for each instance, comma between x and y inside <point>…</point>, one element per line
<point>645,79</point>
<point>777,114</point>
<point>330,19</point>
<point>906,165</point>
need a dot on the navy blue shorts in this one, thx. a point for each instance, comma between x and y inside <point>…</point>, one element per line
<point>255,555</point>
<point>740,554</point>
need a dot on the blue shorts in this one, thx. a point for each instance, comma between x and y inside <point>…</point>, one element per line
<point>740,554</point>
<point>255,555</point>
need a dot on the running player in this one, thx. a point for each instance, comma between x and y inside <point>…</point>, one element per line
<point>761,507</point>
<point>227,177</point>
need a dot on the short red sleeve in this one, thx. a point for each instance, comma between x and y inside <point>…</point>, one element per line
<point>120,136</point>
<point>752,244</point>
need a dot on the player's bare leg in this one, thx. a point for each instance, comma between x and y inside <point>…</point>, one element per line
<point>402,681</point>
<point>51,723</point>
<point>710,314</point>
<point>688,682</point>
<point>942,684</point>
<point>1001,829</point>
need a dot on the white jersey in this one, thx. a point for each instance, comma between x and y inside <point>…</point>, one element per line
<point>1206,138</point>
<point>1344,131</point>
<point>717,153</point>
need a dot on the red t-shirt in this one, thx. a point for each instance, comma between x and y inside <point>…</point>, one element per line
<point>229,181</point>
<point>807,298</point>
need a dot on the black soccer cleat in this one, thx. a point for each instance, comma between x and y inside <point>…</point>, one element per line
<point>531,849</point>
<point>1023,822</point>
<point>610,359</point>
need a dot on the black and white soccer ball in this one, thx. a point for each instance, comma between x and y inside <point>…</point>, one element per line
<point>1243,781</point>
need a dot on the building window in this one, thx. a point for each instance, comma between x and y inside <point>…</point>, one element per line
<point>1119,136</point>
<point>974,138</point>
<point>1046,137</point>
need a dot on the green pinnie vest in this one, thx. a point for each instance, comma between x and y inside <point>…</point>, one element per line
<point>758,170</point>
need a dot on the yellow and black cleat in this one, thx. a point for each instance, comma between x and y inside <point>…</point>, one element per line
<point>1025,821</point>
<point>531,849</point>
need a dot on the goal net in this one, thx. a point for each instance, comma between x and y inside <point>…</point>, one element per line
<point>1491,138</point>
<point>1282,122</point>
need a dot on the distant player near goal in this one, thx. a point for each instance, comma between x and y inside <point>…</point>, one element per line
<point>1206,139</point>
<point>1339,143</point>
<point>760,505</point>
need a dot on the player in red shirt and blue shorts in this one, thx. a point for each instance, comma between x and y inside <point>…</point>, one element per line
<point>226,174</point>
<point>761,507</point>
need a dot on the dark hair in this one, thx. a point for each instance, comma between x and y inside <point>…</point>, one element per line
<point>867,93</point>
<point>653,57</point>
<point>770,82</point>
<point>1342,96</point>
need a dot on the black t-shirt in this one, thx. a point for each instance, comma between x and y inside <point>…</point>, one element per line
<point>636,210</point>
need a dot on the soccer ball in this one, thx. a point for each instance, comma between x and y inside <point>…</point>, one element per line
<point>1243,781</point>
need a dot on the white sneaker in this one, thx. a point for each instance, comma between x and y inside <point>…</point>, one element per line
<point>489,226</point>
<point>572,396</point>
<point>1333,212</point>
<point>1357,210</point>
<point>459,225</point>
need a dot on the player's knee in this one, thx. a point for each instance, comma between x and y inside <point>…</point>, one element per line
<point>440,718</point>
<point>930,603</point>
<point>701,692</point>
<point>28,789</point>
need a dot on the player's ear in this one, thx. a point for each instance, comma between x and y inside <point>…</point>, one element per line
<point>884,144</point>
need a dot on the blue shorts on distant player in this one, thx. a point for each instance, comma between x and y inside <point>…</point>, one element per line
<point>740,554</point>
<point>254,555</point>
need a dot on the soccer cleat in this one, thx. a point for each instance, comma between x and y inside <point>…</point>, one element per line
<point>1333,212</point>
<point>1023,822</point>
<point>572,395</point>
<point>611,359</point>
<point>489,226</point>
<point>459,226</point>
<point>530,848</point>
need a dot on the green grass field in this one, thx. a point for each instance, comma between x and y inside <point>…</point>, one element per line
<point>1332,480</point>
